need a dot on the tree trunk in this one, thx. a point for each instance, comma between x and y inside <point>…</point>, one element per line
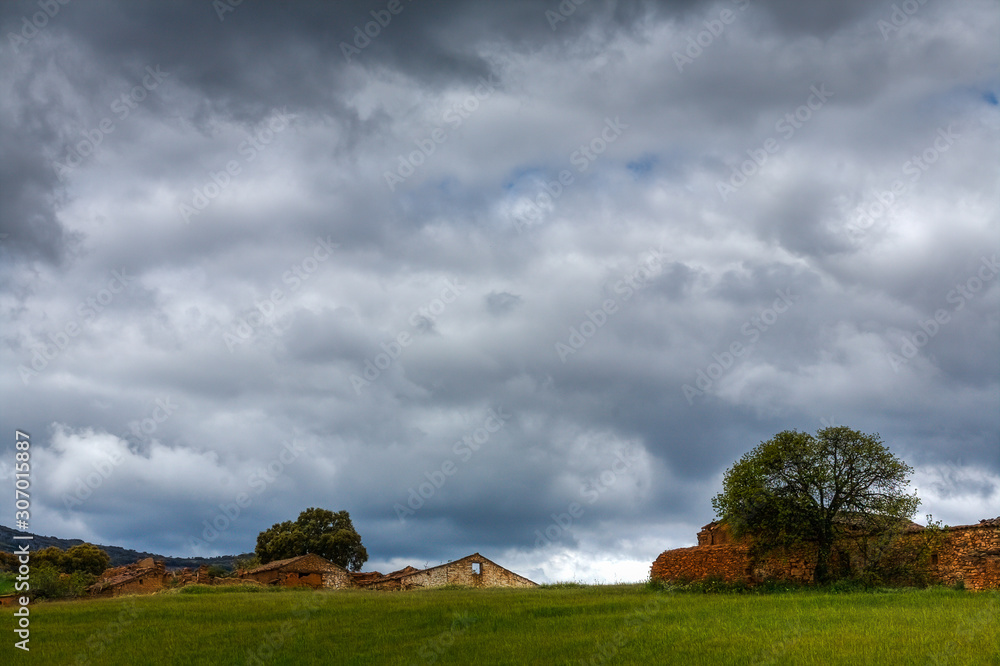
<point>824,548</point>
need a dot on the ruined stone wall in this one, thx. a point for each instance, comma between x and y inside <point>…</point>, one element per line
<point>729,562</point>
<point>337,580</point>
<point>968,553</point>
<point>313,580</point>
<point>146,584</point>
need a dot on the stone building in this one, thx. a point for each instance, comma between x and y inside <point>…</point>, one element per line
<point>967,553</point>
<point>471,571</point>
<point>142,577</point>
<point>302,571</point>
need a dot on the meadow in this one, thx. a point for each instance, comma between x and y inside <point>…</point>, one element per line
<point>561,624</point>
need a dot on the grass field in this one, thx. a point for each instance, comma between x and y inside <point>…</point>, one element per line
<point>622,624</point>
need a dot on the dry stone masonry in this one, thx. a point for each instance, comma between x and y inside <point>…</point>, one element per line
<point>966,553</point>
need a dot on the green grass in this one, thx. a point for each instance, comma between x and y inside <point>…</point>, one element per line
<point>634,624</point>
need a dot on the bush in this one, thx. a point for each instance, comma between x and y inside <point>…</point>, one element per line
<point>218,571</point>
<point>8,561</point>
<point>565,585</point>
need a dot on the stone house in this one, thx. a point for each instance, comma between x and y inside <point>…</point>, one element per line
<point>303,571</point>
<point>471,571</point>
<point>967,553</point>
<point>142,577</point>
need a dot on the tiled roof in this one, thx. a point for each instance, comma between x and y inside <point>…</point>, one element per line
<point>280,564</point>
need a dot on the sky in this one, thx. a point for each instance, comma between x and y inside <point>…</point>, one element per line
<point>521,278</point>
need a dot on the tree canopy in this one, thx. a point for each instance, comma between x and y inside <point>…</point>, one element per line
<point>325,533</point>
<point>798,489</point>
<point>83,557</point>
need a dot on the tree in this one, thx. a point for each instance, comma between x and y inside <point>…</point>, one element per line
<point>318,531</point>
<point>801,490</point>
<point>85,557</point>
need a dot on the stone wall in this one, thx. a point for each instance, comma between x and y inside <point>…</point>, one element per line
<point>143,577</point>
<point>968,553</point>
<point>731,562</point>
<point>472,571</point>
<point>304,571</point>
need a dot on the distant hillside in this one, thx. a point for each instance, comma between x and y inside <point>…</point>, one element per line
<point>119,555</point>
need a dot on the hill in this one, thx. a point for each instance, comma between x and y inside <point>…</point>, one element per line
<point>119,556</point>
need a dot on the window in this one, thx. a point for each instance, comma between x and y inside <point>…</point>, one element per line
<point>477,568</point>
<point>934,559</point>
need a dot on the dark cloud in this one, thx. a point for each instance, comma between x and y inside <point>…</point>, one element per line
<point>660,230</point>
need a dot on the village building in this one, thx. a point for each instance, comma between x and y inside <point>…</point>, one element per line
<point>969,554</point>
<point>303,571</point>
<point>142,577</point>
<point>470,571</point>
<point>148,576</point>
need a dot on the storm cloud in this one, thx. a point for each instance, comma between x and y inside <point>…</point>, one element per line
<point>521,278</point>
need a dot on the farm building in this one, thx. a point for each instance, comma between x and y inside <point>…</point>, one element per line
<point>302,571</point>
<point>472,571</point>
<point>966,553</point>
<point>142,577</point>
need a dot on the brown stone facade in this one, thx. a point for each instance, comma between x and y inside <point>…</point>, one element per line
<point>142,577</point>
<point>967,553</point>
<point>303,571</point>
<point>471,571</point>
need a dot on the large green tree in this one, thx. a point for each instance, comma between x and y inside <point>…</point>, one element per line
<point>85,557</point>
<point>801,490</point>
<point>319,531</point>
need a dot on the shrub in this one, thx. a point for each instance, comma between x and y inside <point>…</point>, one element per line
<point>564,585</point>
<point>217,571</point>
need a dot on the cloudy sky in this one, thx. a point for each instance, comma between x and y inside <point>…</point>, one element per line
<point>521,278</point>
